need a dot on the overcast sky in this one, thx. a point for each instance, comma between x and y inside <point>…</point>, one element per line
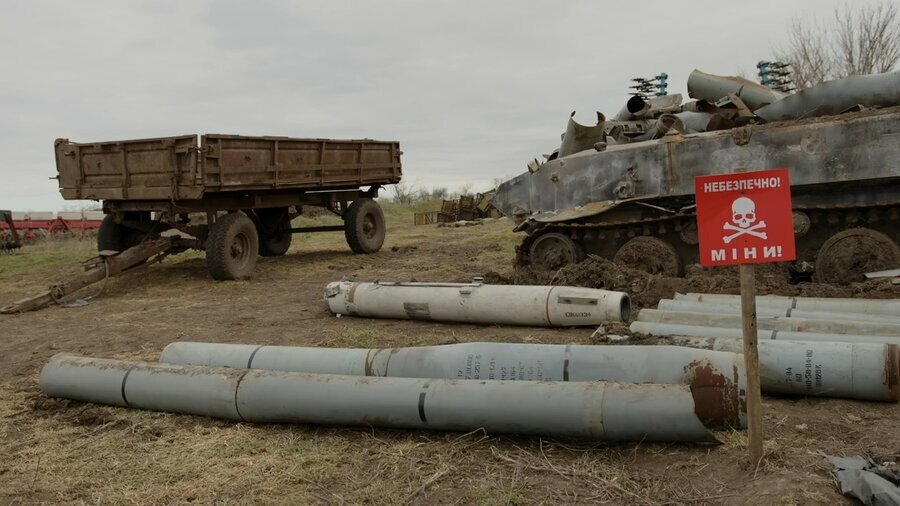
<point>472,90</point>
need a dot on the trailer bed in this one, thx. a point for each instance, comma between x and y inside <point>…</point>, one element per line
<point>181,168</point>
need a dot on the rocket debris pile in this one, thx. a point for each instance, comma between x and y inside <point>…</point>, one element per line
<point>721,103</point>
<point>590,410</point>
<point>824,347</point>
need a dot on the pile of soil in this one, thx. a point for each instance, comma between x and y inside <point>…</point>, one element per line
<point>646,289</point>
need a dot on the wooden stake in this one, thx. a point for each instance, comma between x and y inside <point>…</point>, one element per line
<point>751,359</point>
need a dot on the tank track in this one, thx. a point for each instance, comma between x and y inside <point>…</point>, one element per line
<point>679,230</point>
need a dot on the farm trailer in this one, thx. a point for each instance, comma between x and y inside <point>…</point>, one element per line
<point>37,225</point>
<point>249,188</point>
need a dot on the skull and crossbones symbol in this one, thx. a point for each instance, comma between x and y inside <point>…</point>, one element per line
<point>743,217</point>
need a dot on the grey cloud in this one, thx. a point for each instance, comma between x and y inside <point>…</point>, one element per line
<point>471,89</point>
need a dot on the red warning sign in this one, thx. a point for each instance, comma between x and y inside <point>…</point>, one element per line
<point>745,218</point>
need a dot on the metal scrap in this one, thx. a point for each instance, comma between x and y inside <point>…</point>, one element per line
<point>9,236</point>
<point>836,97</point>
<point>872,483</point>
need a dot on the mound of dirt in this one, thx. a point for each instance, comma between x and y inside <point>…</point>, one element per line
<point>595,272</point>
<point>646,289</point>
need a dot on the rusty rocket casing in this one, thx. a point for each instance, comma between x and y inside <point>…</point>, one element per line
<point>582,410</point>
<point>545,306</point>
<point>826,369</point>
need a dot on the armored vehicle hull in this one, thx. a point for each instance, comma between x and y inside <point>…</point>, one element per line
<point>633,202</point>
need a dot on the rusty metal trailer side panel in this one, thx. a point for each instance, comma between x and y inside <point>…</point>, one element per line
<point>143,169</point>
<point>234,162</point>
<point>177,168</point>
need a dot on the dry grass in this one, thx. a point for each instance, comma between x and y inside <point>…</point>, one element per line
<point>45,255</point>
<point>67,452</point>
<point>74,452</point>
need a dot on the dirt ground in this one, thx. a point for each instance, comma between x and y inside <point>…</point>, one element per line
<point>62,451</point>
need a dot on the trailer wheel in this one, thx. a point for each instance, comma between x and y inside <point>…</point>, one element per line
<point>649,254</point>
<point>364,226</point>
<point>553,250</point>
<point>846,256</point>
<point>274,231</point>
<point>231,247</point>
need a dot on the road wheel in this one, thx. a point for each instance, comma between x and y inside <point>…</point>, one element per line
<point>274,231</point>
<point>364,226</point>
<point>848,255</point>
<point>552,251</point>
<point>231,247</point>
<point>649,254</point>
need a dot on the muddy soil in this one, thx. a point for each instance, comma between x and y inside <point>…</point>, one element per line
<point>647,289</point>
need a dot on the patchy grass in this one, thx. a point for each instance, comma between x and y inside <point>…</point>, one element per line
<point>46,254</point>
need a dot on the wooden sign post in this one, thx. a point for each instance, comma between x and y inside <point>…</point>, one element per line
<point>745,219</point>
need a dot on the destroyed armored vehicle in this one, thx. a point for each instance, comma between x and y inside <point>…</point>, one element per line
<point>623,189</point>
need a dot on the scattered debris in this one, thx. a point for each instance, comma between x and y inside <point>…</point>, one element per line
<point>466,208</point>
<point>894,274</point>
<point>462,223</point>
<point>872,483</point>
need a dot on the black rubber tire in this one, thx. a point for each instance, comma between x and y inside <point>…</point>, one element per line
<point>274,231</point>
<point>552,250</point>
<point>364,226</point>
<point>112,236</point>
<point>232,247</point>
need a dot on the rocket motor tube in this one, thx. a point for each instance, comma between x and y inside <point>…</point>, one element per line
<point>546,306</point>
<point>780,323</point>
<point>826,369</point>
<point>711,88</point>
<point>701,369</point>
<point>582,410</point>
<point>500,361</point>
<point>888,307</point>
<point>700,330</point>
<point>725,307</point>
